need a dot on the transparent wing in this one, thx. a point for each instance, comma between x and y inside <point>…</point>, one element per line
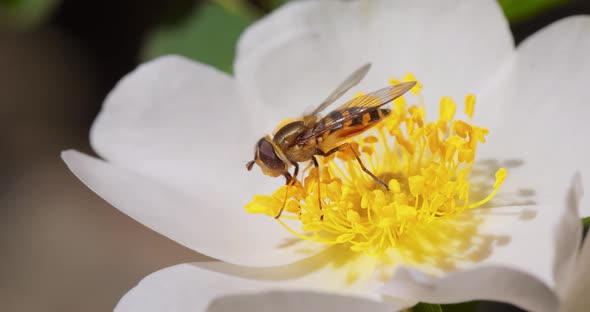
<point>350,82</point>
<point>362,104</point>
<point>379,97</point>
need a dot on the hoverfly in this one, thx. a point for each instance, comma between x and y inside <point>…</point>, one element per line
<point>303,140</point>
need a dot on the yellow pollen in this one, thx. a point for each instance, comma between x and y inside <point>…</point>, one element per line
<point>426,166</point>
<point>469,105</point>
<point>417,88</point>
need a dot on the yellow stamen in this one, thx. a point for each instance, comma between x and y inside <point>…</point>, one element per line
<point>501,175</point>
<point>426,166</point>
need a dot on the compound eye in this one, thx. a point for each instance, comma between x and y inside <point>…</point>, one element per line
<point>268,156</point>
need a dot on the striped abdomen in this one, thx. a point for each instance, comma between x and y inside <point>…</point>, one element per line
<point>343,124</point>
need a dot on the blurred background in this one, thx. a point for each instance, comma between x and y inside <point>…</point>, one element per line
<point>61,247</point>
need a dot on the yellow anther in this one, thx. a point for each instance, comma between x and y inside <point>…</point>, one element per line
<point>418,87</point>
<point>447,109</point>
<point>461,128</point>
<point>469,105</point>
<point>367,149</point>
<point>370,139</point>
<point>393,81</point>
<point>501,175</point>
<point>394,186</point>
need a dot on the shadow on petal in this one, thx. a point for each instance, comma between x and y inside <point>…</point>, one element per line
<point>336,268</point>
<point>448,243</point>
<point>297,301</point>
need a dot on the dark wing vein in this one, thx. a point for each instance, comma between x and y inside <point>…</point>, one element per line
<point>364,104</point>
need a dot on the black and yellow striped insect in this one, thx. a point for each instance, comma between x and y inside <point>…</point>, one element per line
<point>311,136</point>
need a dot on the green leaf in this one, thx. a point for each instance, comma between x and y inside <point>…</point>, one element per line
<point>470,306</point>
<point>237,7</point>
<point>272,4</point>
<point>586,226</point>
<point>209,35</point>
<point>24,14</point>
<point>520,10</point>
<point>426,307</point>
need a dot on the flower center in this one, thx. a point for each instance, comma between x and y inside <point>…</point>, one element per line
<point>425,164</point>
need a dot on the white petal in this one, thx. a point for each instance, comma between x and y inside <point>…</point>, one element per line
<point>487,283</point>
<point>204,223</point>
<point>188,287</point>
<point>175,134</point>
<point>523,250</point>
<point>569,237</point>
<point>541,114</point>
<point>575,297</point>
<point>184,287</point>
<point>336,270</point>
<point>293,58</point>
<point>576,284</point>
<point>180,123</point>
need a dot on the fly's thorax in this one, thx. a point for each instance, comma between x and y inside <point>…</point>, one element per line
<point>288,134</point>
<point>302,152</point>
<point>286,140</point>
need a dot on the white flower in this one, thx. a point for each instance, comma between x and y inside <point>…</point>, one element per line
<point>175,135</point>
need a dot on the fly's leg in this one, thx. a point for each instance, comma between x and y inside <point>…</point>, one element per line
<point>317,166</point>
<point>289,180</point>
<point>367,171</point>
<point>295,172</point>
